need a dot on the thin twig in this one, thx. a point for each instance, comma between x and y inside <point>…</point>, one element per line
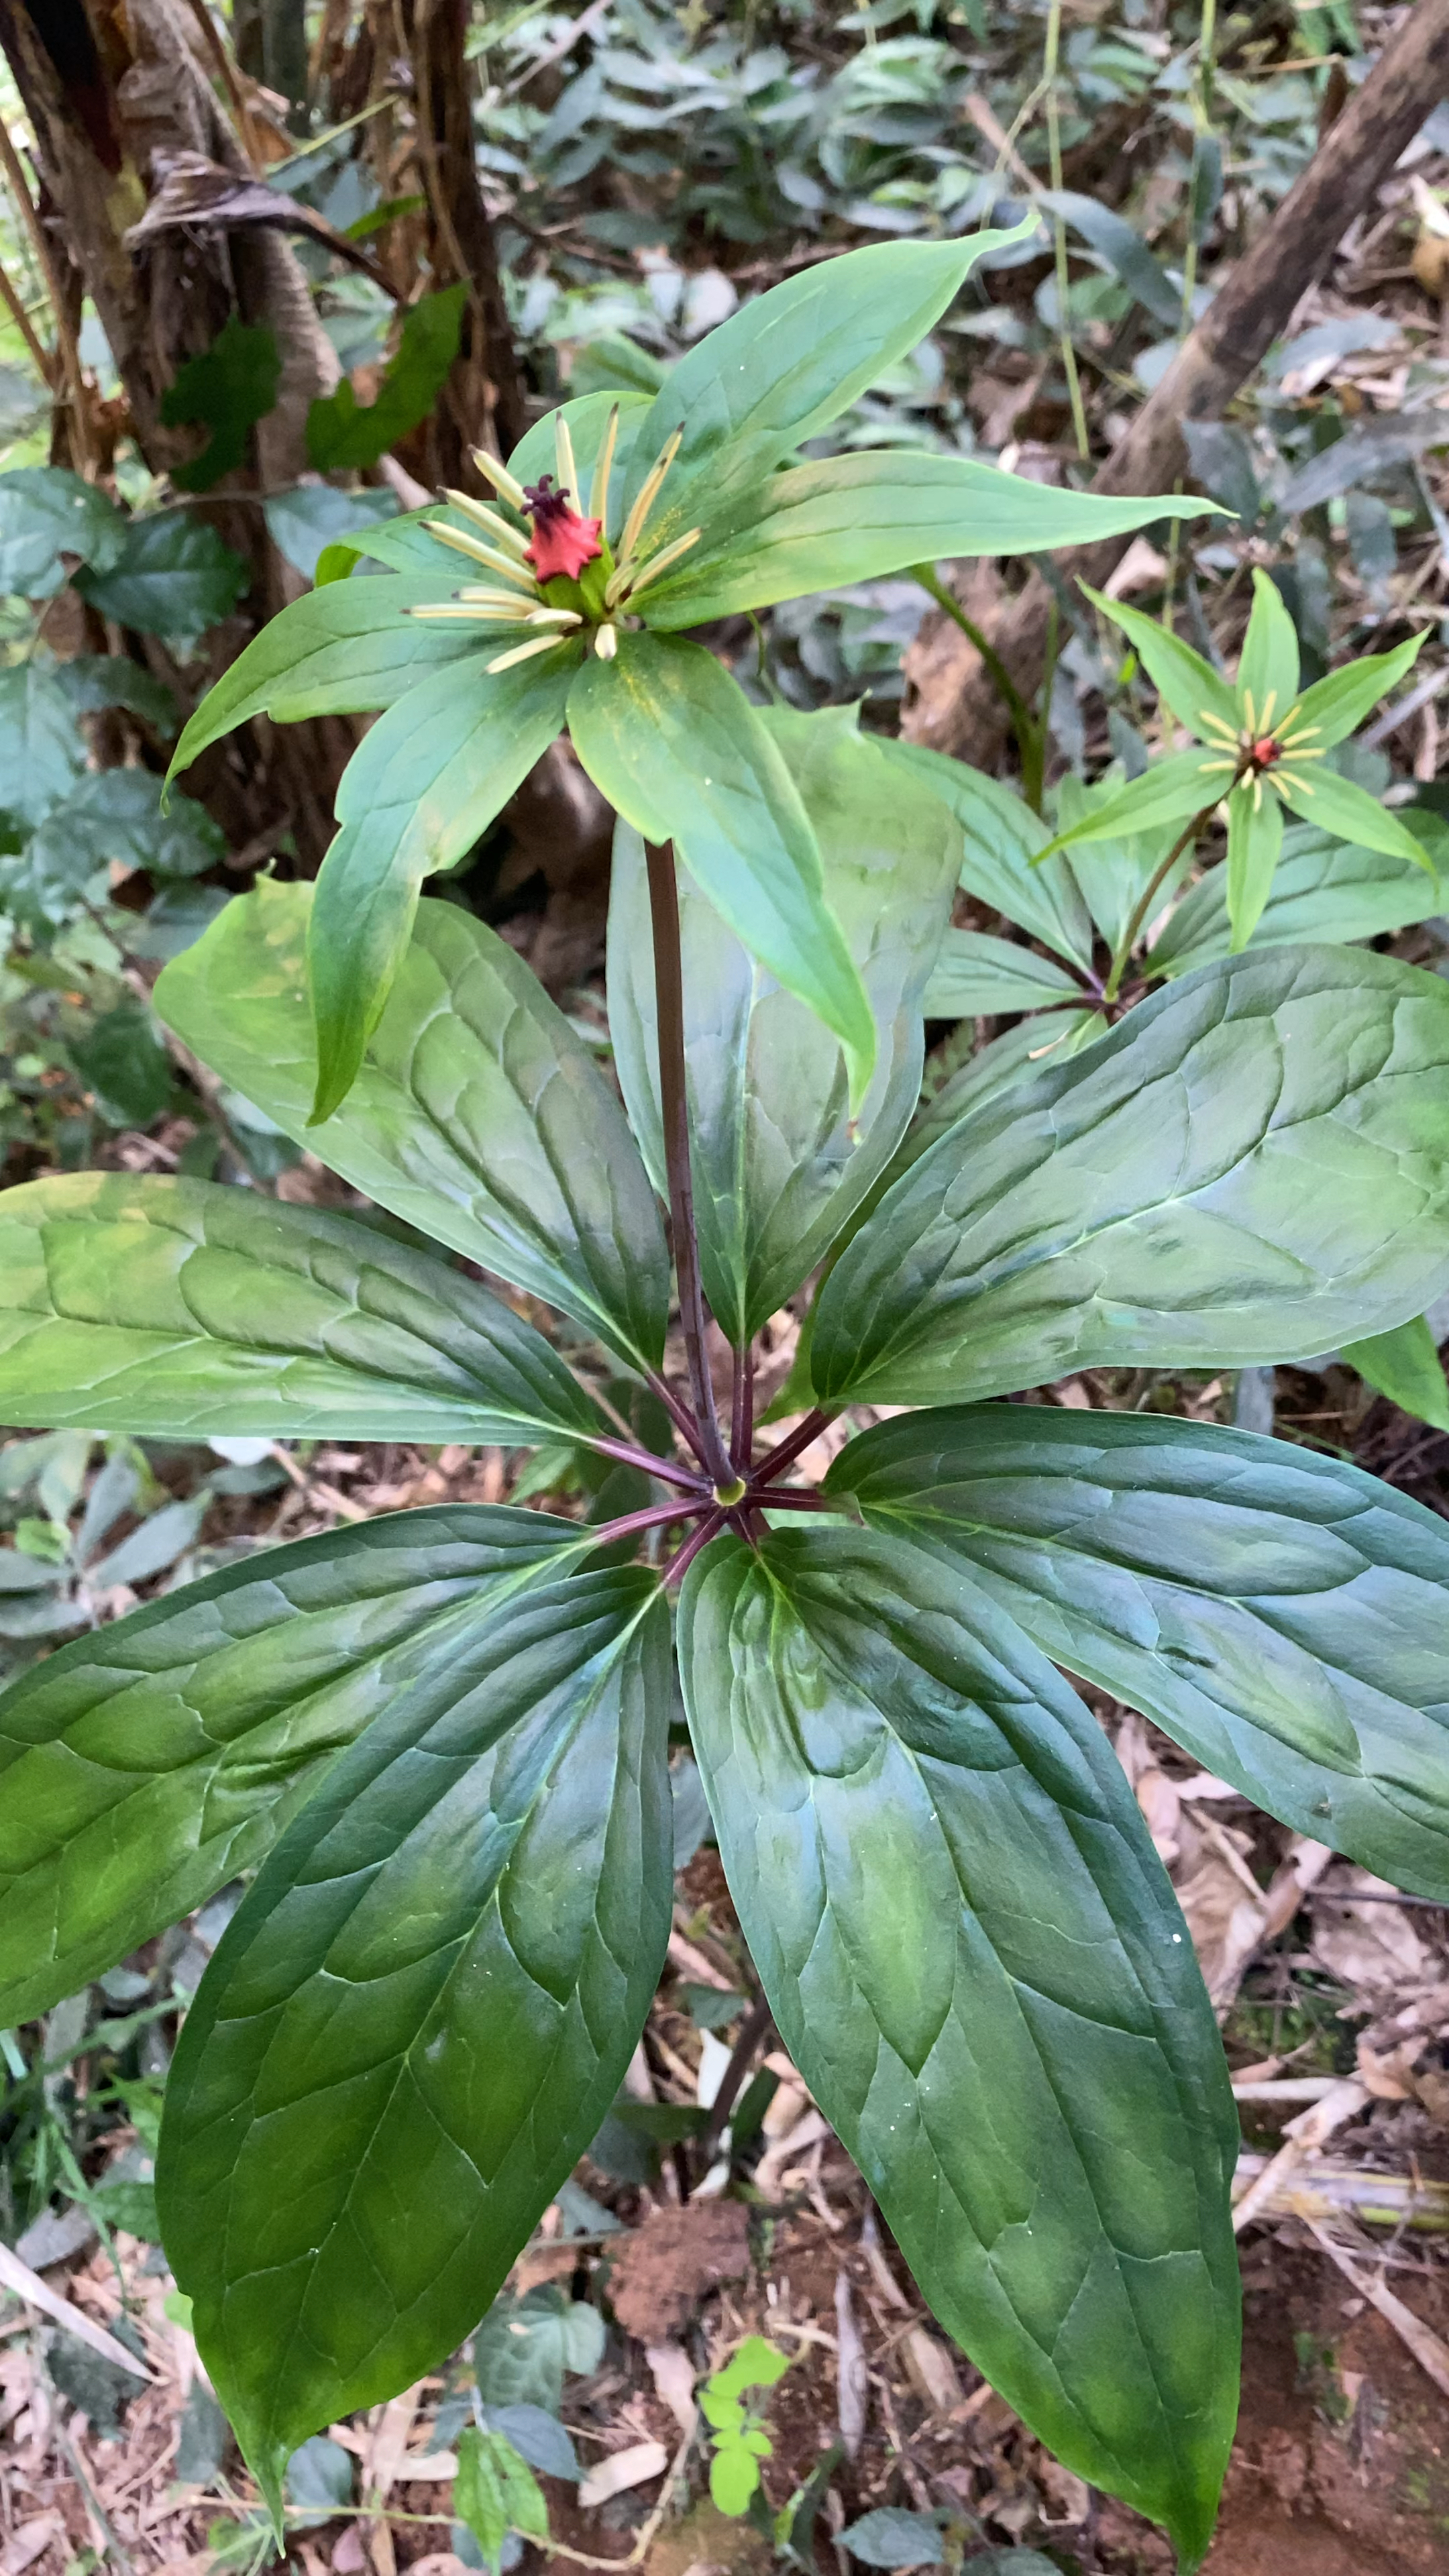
<point>1141,911</point>
<point>752,2031</point>
<point>40,356</point>
<point>65,337</point>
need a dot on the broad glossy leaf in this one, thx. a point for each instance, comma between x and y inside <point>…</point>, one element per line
<point>679,751</point>
<point>1334,804</point>
<point>173,576</point>
<point>1323,890</point>
<point>976,974</point>
<point>422,2011</point>
<point>1252,1166</point>
<point>976,1961</point>
<point>1186,683</point>
<point>1279,1613</point>
<point>478,1115</point>
<point>346,649</point>
<point>305,521</point>
<point>175,1309</point>
<point>855,518</point>
<point>148,1763</point>
<point>789,363</point>
<point>430,776</point>
<point>1255,837</point>
<point>778,1164</point>
<point>1003,837</point>
<point>1009,1059</point>
<point>46,514</point>
<point>1405,1366</point>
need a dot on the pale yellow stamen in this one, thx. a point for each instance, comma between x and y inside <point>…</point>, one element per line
<point>1295,733</point>
<point>511,600</point>
<point>552,617</point>
<point>1265,720</point>
<point>1257,791</point>
<point>567,473</point>
<point>1207,765</point>
<point>526,652</point>
<point>469,612</point>
<point>1253,725</point>
<point>603,469</point>
<point>512,540</point>
<point>476,552</point>
<point>634,524</point>
<point>606,643</point>
<point>635,582</point>
<point>501,480</point>
<point>1215,728</point>
<point>1300,786</point>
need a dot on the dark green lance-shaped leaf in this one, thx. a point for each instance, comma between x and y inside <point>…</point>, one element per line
<point>1323,890</point>
<point>343,432</point>
<point>1122,249</point>
<point>347,649</point>
<point>173,576</point>
<point>789,363</point>
<point>150,1762</point>
<point>46,514</point>
<point>679,751</point>
<point>422,2011</point>
<point>430,776</point>
<point>855,518</point>
<point>976,974</point>
<point>976,1961</point>
<point>1279,1613</point>
<point>175,1309</point>
<point>1336,805</point>
<point>1252,1166</point>
<point>778,1163</point>
<point>227,389</point>
<point>1003,837</point>
<point>1405,1366</point>
<point>478,1115</point>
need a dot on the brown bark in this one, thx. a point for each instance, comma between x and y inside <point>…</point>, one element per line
<point>965,716</point>
<point>106,90</point>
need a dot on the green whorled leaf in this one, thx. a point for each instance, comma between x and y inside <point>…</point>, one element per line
<point>1268,668</point>
<point>1115,875</point>
<point>678,750</point>
<point>1255,837</point>
<point>173,576</point>
<point>1336,705</point>
<point>1334,804</point>
<point>1186,683</point>
<point>347,649</point>
<point>429,777</point>
<point>46,514</point>
<point>778,1163</point>
<point>1252,1166</point>
<point>855,518</point>
<point>478,1116</point>
<point>976,1961</point>
<point>783,367</point>
<point>1003,837</point>
<point>148,1763</point>
<point>422,2011</point>
<point>174,1309</point>
<point>1172,790</point>
<point>1009,1059</point>
<point>1405,1366</point>
<point>1279,1613</point>
<point>976,974</point>
<point>1323,890</point>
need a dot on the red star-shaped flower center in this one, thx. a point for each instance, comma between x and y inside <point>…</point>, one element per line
<point>562,541</point>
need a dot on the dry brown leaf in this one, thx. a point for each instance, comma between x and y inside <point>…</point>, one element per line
<point>1373,1948</point>
<point>620,2470</point>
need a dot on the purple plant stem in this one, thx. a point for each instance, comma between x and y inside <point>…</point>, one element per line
<point>776,1460</point>
<point>709,1528</point>
<point>656,1517</point>
<point>663,1468</point>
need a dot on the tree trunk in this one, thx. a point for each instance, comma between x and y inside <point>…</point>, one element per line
<point>106,92</point>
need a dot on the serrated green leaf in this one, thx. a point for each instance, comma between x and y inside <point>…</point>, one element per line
<point>976,1961</point>
<point>478,1115</point>
<point>116,814</point>
<point>424,2006</point>
<point>977,974</point>
<point>121,1058</point>
<point>149,1763</point>
<point>348,649</point>
<point>175,1309</point>
<point>783,367</point>
<point>856,518</point>
<point>430,776</point>
<point>1405,1366</point>
<point>342,432</point>
<point>1278,1612</point>
<point>42,748</point>
<point>95,680</point>
<point>679,751</point>
<point>227,389</point>
<point>1252,1166</point>
<point>46,512</point>
<point>778,1164</point>
<point>173,576</point>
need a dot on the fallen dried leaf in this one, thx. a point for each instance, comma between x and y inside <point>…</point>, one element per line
<point>621,2470</point>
